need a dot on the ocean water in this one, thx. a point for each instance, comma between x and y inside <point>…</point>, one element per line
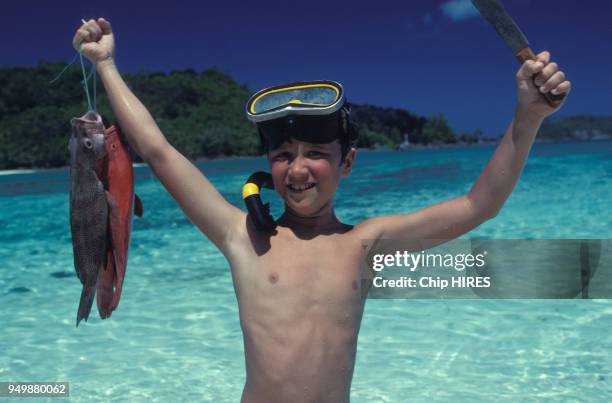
<point>176,335</point>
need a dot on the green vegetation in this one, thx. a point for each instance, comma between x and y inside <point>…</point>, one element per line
<point>577,128</point>
<point>201,114</point>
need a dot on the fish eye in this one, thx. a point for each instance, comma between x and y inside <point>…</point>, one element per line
<point>88,143</point>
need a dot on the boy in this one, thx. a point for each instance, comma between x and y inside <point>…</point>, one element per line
<point>299,287</point>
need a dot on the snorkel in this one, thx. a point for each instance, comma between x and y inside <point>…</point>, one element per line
<point>259,212</point>
<point>313,111</point>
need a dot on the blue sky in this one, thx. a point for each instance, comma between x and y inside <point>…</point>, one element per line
<point>425,56</point>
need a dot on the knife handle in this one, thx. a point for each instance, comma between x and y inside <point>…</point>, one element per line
<point>552,99</point>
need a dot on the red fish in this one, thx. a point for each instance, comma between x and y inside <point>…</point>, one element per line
<point>118,179</point>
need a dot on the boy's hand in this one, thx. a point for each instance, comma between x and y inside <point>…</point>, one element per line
<point>95,40</point>
<point>535,78</point>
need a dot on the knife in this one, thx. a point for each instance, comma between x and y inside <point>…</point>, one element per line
<point>493,11</point>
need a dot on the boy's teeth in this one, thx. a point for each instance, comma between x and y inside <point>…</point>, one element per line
<point>301,187</point>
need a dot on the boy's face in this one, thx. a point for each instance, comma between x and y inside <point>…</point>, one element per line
<point>306,175</point>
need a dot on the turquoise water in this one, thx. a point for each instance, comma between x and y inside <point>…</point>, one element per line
<point>176,336</point>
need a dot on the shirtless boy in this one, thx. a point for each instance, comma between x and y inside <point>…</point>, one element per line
<point>299,287</point>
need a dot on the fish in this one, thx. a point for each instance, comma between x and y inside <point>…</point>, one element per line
<point>118,179</point>
<point>88,205</point>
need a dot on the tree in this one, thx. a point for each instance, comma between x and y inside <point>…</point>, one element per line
<point>437,130</point>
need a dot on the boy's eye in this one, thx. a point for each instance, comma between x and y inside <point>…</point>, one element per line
<point>315,154</point>
<point>281,156</point>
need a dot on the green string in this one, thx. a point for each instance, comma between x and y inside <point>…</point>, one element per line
<point>92,72</point>
<point>93,69</point>
<point>86,78</point>
<point>85,86</point>
<point>64,69</point>
<point>85,81</point>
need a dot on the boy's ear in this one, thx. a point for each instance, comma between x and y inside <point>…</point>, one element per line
<point>348,161</point>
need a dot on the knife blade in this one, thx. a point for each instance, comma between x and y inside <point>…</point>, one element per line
<point>494,12</point>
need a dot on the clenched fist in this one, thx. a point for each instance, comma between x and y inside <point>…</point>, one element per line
<point>95,40</point>
<point>537,77</point>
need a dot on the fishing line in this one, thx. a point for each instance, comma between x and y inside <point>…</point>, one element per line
<point>64,69</point>
<point>93,68</point>
<point>85,86</point>
<point>86,78</point>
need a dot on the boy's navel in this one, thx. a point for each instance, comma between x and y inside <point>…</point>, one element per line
<point>273,277</point>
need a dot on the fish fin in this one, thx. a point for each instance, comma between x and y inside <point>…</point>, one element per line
<point>78,273</point>
<point>113,217</point>
<point>105,286</point>
<point>119,251</point>
<point>114,228</point>
<point>112,202</point>
<point>138,207</point>
<point>87,296</point>
<point>117,284</point>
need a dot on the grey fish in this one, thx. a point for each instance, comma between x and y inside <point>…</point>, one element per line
<point>88,205</point>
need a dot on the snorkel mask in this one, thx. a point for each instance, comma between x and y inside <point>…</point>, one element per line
<point>313,111</point>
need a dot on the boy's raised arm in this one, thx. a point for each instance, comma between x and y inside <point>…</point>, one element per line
<point>452,218</point>
<point>196,196</point>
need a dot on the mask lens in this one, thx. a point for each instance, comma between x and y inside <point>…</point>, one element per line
<point>321,96</point>
<point>306,96</point>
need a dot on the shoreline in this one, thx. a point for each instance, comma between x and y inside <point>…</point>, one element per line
<point>18,171</point>
<point>411,148</point>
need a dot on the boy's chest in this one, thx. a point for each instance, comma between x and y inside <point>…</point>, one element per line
<point>324,269</point>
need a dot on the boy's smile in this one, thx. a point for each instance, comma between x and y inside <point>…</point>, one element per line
<point>300,188</point>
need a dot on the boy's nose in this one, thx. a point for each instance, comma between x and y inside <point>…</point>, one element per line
<point>297,168</point>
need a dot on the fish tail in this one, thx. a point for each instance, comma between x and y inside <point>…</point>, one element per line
<point>87,296</point>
